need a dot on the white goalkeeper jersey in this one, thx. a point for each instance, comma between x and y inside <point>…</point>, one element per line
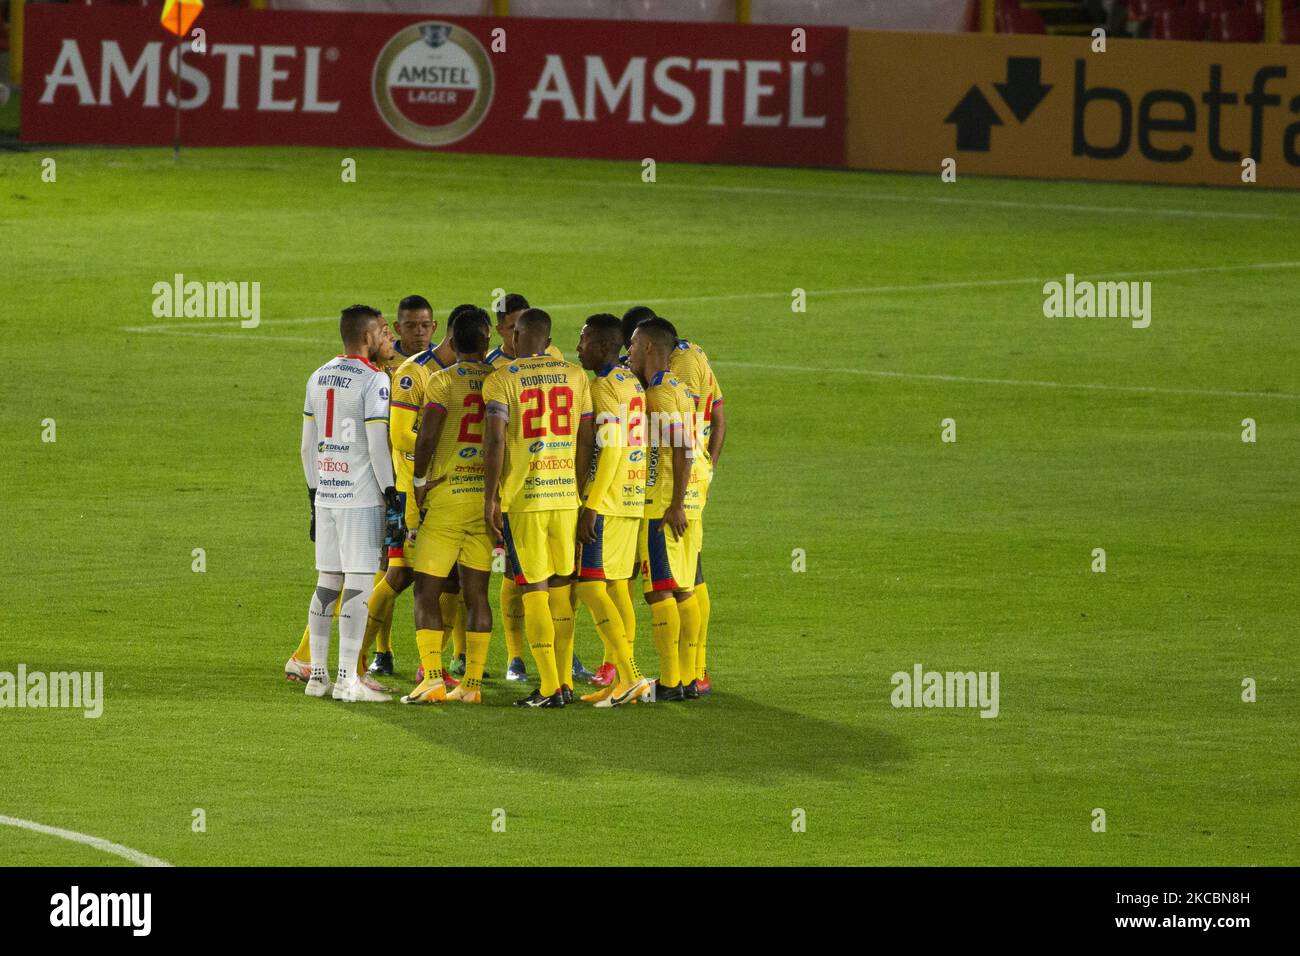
<point>343,395</point>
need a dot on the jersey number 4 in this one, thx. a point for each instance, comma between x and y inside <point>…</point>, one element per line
<point>559,400</point>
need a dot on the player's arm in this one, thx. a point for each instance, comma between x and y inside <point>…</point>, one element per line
<point>401,428</point>
<point>608,448</point>
<point>381,459</point>
<point>494,449</point>
<point>718,429</point>
<point>426,443</point>
<point>308,451</point>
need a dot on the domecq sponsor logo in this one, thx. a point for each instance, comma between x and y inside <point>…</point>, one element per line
<point>103,909</point>
<point>77,690</point>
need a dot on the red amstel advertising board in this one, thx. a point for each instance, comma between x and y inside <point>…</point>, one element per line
<point>602,89</point>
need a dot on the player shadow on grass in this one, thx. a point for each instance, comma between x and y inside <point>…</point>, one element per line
<point>725,736</point>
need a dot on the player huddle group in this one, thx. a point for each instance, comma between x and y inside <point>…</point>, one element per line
<point>581,483</point>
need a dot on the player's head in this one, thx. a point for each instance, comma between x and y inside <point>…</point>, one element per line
<point>532,332</point>
<point>652,344</point>
<point>471,333</point>
<point>599,341</point>
<point>633,316</point>
<point>362,331</point>
<point>508,312</point>
<point>415,325</point>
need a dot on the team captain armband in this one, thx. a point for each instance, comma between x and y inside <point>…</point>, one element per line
<point>498,410</point>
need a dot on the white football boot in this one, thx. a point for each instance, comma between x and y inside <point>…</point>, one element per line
<point>295,669</point>
<point>353,691</point>
<point>318,688</point>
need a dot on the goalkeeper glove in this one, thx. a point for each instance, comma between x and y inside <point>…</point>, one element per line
<point>394,518</point>
<point>311,494</point>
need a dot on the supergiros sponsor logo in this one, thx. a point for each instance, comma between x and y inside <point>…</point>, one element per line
<point>432,83</point>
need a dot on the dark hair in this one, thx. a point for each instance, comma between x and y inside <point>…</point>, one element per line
<point>607,329</point>
<point>659,331</point>
<point>469,329</point>
<point>413,302</point>
<point>354,320</point>
<point>632,317</point>
<point>465,307</point>
<point>512,303</point>
<point>534,317</point>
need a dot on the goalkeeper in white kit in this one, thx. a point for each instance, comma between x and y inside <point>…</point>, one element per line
<point>346,460</point>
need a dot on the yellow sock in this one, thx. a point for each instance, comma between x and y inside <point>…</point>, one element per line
<point>562,617</point>
<point>512,619</point>
<point>541,638</point>
<point>429,643</point>
<point>620,593</point>
<point>476,643</point>
<point>665,627</point>
<point>609,626</point>
<point>448,605</point>
<point>303,653</point>
<point>688,612</point>
<point>379,609</point>
<point>701,642</point>
<point>384,636</point>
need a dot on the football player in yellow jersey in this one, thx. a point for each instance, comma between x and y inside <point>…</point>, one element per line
<point>538,426</point>
<point>414,332</point>
<point>509,309</point>
<point>690,364</point>
<point>448,451</point>
<point>405,407</point>
<point>670,530</point>
<point>613,502</point>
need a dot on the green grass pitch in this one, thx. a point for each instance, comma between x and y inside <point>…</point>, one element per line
<point>1119,690</point>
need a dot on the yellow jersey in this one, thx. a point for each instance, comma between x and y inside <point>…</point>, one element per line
<point>670,421</point>
<point>394,363</point>
<point>544,400</point>
<point>497,358</point>
<point>404,408</point>
<point>618,404</point>
<point>456,468</point>
<point>690,364</point>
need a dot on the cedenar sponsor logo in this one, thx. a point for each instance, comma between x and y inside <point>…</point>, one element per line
<point>75,908</point>
<point>432,83</point>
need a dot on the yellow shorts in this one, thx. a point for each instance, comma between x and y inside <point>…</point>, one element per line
<point>540,544</point>
<point>668,562</point>
<point>438,548</point>
<point>613,555</point>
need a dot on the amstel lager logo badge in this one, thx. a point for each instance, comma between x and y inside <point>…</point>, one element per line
<point>433,83</point>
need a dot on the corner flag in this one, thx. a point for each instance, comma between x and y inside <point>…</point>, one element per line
<point>179,15</point>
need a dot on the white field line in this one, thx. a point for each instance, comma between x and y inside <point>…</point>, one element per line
<point>1015,382</point>
<point>135,856</point>
<point>186,329</point>
<point>745,296</point>
<point>839,195</point>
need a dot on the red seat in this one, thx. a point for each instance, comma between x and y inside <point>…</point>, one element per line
<point>1238,25</point>
<point>1021,21</point>
<point>1291,27</point>
<point>1177,24</point>
<point>1142,11</point>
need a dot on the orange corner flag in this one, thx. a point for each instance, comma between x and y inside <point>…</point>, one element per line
<point>179,15</point>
